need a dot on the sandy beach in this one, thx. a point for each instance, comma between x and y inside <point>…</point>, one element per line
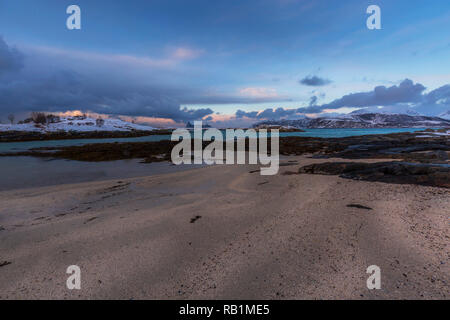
<point>222,232</point>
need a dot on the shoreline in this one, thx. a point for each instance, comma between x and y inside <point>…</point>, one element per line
<point>27,136</point>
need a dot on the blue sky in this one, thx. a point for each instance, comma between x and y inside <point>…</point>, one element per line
<point>223,60</point>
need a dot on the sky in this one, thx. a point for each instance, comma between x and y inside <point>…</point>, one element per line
<point>228,62</point>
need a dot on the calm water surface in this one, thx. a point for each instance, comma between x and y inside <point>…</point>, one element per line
<point>319,133</point>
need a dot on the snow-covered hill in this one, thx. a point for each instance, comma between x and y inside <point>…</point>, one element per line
<point>365,120</point>
<point>76,124</point>
<point>388,110</point>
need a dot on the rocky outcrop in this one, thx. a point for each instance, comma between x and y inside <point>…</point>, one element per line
<point>404,146</point>
<point>390,172</point>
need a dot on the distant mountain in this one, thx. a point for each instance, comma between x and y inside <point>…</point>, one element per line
<point>365,120</point>
<point>386,110</point>
<point>445,115</point>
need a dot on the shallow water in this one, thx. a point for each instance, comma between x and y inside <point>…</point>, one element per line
<point>318,133</point>
<point>21,146</point>
<point>30,172</point>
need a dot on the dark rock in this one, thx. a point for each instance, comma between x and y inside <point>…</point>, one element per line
<point>390,172</point>
<point>90,219</point>
<point>358,206</point>
<point>287,164</point>
<point>5,263</point>
<point>195,219</point>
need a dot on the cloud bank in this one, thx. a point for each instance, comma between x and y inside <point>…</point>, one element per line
<point>398,98</point>
<point>49,79</point>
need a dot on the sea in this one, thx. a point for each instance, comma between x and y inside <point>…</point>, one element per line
<point>318,133</point>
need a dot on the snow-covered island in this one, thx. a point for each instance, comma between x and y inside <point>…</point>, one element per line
<point>52,123</point>
<point>42,126</point>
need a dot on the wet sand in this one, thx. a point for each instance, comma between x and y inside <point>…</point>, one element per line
<point>222,232</point>
<point>31,172</point>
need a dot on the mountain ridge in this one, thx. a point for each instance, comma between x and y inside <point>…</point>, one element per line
<point>363,120</point>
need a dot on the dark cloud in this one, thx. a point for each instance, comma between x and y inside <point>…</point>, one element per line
<point>314,81</point>
<point>313,100</point>
<point>267,114</point>
<point>197,113</point>
<point>49,81</point>
<point>405,92</point>
<point>276,113</point>
<point>10,58</point>
<point>310,109</point>
<point>406,95</point>
<point>437,101</point>
<point>440,95</point>
<point>67,90</point>
<point>241,114</point>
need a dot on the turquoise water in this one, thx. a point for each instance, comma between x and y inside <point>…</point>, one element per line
<point>319,133</point>
<point>21,146</point>
<point>341,133</point>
